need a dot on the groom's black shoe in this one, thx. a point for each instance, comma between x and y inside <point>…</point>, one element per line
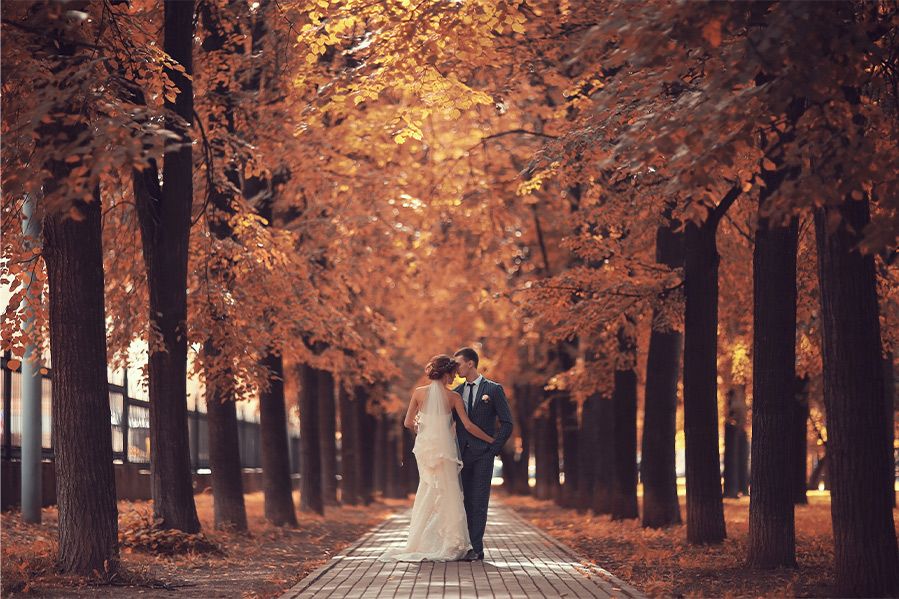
<point>473,556</point>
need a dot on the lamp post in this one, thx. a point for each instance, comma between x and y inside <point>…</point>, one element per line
<point>31,389</point>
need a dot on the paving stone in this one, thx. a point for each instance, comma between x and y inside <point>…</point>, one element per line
<point>521,561</point>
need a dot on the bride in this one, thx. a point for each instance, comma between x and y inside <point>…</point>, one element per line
<point>438,530</point>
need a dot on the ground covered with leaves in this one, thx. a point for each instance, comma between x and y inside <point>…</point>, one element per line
<point>661,563</point>
<point>261,563</point>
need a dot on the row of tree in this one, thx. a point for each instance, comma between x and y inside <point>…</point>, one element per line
<point>103,121</point>
<point>698,147</point>
<point>118,125</point>
<point>595,193</point>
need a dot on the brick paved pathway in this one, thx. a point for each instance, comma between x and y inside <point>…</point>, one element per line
<point>521,562</point>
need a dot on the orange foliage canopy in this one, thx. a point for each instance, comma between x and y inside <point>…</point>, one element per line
<point>406,178</point>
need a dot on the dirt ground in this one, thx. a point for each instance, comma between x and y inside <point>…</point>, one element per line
<point>661,563</point>
<point>260,564</point>
<point>268,560</point>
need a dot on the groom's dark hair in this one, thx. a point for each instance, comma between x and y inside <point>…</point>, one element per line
<point>469,354</point>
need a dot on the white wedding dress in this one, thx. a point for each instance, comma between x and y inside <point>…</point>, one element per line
<point>438,530</point>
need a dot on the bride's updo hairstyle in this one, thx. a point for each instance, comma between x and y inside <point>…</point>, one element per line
<point>440,365</point>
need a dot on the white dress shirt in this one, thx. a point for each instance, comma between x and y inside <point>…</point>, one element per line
<point>468,391</point>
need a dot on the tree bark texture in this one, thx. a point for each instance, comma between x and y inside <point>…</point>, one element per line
<point>546,451</point>
<point>311,497</point>
<point>350,439</point>
<point>524,408</point>
<point>368,426</point>
<point>327,431</point>
<point>82,445</point>
<point>587,448</point>
<point>858,451</point>
<point>224,456</point>
<point>570,451</point>
<point>657,464</point>
<point>165,215</point>
<point>604,466</point>
<point>799,440</point>
<point>657,467</point>
<point>705,509</point>
<point>624,401</point>
<point>772,530</point>
<point>276,481</point>
<point>736,443</point>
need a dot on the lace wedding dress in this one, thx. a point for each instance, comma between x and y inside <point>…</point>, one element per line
<point>438,530</point>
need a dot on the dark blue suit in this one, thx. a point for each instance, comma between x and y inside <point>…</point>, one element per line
<point>477,455</point>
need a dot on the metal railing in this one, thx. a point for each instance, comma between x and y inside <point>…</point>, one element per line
<point>129,424</point>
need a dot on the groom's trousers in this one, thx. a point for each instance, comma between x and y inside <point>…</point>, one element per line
<point>476,478</point>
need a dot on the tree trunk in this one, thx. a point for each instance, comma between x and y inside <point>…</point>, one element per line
<point>524,408</point>
<point>277,484</point>
<point>224,441</point>
<point>705,509</point>
<point>858,448</point>
<point>799,440</point>
<point>587,448</point>
<point>509,469</point>
<point>165,229</point>
<point>350,472</point>
<point>772,530</point>
<point>393,485</point>
<point>546,452</point>
<point>657,464</point>
<point>624,401</point>
<point>224,455</point>
<point>736,457</point>
<point>744,447</point>
<point>819,473</point>
<point>276,481</point>
<point>657,467</point>
<point>82,445</point>
<point>381,455</point>
<point>604,466</point>
<point>889,388</point>
<point>368,426</point>
<point>327,430</point>
<point>311,498</point>
<point>570,452</point>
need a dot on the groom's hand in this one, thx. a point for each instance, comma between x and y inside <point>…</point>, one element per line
<point>496,448</point>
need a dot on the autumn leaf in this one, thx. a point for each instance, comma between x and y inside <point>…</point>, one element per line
<point>711,31</point>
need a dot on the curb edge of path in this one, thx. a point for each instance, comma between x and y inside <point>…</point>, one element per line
<point>626,588</point>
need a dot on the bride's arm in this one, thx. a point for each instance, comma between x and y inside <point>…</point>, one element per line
<point>409,422</point>
<point>470,426</point>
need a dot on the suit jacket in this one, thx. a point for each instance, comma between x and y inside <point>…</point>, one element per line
<point>484,414</point>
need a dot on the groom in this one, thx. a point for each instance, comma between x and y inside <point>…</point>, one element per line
<point>485,402</point>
